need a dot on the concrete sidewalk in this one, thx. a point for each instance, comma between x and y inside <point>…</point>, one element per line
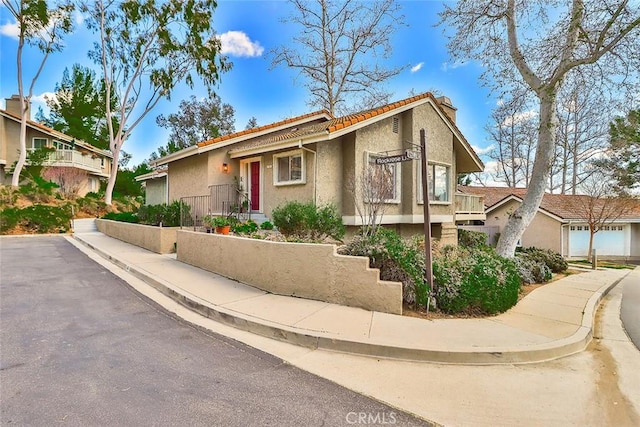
<point>553,321</point>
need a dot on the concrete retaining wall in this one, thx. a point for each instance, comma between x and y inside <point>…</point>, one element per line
<point>156,239</point>
<point>311,271</point>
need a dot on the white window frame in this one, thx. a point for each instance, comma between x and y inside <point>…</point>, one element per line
<point>431,167</point>
<point>61,145</point>
<point>33,140</point>
<point>368,159</point>
<point>276,171</point>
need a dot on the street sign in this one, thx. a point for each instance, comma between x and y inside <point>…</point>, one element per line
<point>407,156</point>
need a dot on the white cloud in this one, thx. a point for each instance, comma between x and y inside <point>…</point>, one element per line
<point>519,118</point>
<point>446,66</point>
<point>10,30</point>
<point>41,101</point>
<point>482,150</point>
<point>417,67</point>
<point>237,43</point>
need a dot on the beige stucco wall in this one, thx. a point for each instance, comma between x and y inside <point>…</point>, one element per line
<point>297,269</point>
<point>635,241</point>
<point>188,177</point>
<point>543,232</point>
<point>277,195</point>
<point>156,239</point>
<point>156,191</point>
<point>330,182</point>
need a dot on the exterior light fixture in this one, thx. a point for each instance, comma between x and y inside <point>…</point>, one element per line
<point>225,168</point>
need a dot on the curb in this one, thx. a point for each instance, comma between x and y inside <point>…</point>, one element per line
<point>474,356</point>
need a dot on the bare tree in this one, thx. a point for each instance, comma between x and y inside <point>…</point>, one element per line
<point>339,49</point>
<point>539,43</point>
<point>512,133</point>
<point>69,180</point>
<point>598,208</point>
<point>370,191</point>
<point>581,133</point>
<point>145,49</point>
<point>43,25</point>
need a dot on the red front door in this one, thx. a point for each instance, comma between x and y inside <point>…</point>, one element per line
<point>255,186</point>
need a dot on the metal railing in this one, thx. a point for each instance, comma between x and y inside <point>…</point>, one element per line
<point>222,200</point>
<point>193,210</point>
<point>468,203</point>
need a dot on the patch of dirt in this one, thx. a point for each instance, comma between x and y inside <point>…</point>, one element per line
<point>410,310</point>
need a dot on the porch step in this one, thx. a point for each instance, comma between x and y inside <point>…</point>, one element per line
<point>84,225</point>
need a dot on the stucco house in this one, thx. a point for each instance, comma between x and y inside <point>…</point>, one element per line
<point>69,152</point>
<point>560,226</point>
<point>312,157</point>
<point>155,187</point>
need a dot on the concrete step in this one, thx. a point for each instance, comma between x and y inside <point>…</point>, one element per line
<point>84,225</point>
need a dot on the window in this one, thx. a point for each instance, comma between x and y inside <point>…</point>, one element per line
<point>288,168</point>
<point>382,182</point>
<point>61,145</point>
<point>39,143</point>
<point>438,183</point>
<point>572,228</point>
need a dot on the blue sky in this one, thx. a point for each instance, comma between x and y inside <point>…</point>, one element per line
<point>250,29</point>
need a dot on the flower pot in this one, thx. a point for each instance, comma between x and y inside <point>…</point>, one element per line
<point>223,230</point>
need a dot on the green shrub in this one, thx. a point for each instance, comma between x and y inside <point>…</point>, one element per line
<point>308,222</point>
<point>471,239</point>
<point>266,226</point>
<point>121,216</point>
<point>474,280</point>
<point>532,270</point>
<point>36,219</point>
<point>168,215</point>
<point>552,259</point>
<point>247,227</point>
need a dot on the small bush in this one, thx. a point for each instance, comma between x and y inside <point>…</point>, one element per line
<point>121,216</point>
<point>266,226</point>
<point>474,280</point>
<point>471,239</point>
<point>552,259</point>
<point>36,219</point>
<point>247,227</point>
<point>308,222</point>
<point>168,215</point>
<point>532,270</point>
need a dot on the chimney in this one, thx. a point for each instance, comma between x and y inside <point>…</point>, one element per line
<point>448,107</point>
<point>13,106</point>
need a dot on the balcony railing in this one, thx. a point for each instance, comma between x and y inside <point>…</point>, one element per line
<point>73,158</point>
<point>469,204</point>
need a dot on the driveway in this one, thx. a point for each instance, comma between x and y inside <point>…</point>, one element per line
<point>79,347</point>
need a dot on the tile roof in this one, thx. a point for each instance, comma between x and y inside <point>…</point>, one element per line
<point>564,206</point>
<point>262,128</point>
<point>58,134</point>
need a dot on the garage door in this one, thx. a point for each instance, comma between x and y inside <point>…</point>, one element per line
<point>610,241</point>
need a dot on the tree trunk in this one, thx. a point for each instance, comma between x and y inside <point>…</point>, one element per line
<point>591,234</point>
<point>22,158</point>
<point>108,195</point>
<point>522,217</point>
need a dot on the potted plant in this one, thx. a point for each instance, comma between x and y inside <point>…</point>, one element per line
<point>221,224</point>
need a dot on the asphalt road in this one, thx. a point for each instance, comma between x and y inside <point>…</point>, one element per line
<point>630,307</point>
<point>79,347</point>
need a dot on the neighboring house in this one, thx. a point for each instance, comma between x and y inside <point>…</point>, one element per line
<point>559,223</point>
<point>69,152</point>
<point>156,190</point>
<point>312,158</point>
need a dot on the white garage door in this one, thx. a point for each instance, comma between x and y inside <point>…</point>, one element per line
<point>610,241</point>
